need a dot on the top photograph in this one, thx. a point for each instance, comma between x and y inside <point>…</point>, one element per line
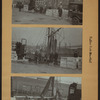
<point>47,12</point>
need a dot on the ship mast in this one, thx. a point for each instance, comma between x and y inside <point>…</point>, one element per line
<point>52,42</point>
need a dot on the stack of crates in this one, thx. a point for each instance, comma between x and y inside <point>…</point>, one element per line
<point>14,56</point>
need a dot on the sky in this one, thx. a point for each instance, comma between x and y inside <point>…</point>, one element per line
<point>34,36</point>
<point>66,80</point>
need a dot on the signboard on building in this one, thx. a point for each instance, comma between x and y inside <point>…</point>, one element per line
<point>26,8</point>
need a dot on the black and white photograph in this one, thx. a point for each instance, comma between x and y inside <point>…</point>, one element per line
<point>46,50</point>
<point>54,12</point>
<point>46,88</point>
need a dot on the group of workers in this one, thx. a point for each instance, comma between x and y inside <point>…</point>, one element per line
<point>46,58</point>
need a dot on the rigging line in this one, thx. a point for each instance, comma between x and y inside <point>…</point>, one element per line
<point>36,42</point>
<point>46,37</point>
<point>41,38</point>
<point>56,82</point>
<point>43,35</point>
<point>45,41</point>
<point>61,36</point>
<point>64,35</point>
<point>38,36</point>
<point>37,39</point>
<point>58,38</point>
<point>55,31</point>
<point>60,81</point>
<point>15,37</point>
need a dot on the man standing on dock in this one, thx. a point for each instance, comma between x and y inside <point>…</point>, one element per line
<point>60,10</point>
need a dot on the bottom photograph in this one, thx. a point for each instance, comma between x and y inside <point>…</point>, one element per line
<point>45,88</point>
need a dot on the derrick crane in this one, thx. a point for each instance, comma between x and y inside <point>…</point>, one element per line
<point>47,87</point>
<point>43,95</point>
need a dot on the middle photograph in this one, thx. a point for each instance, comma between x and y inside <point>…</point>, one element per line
<point>46,50</point>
